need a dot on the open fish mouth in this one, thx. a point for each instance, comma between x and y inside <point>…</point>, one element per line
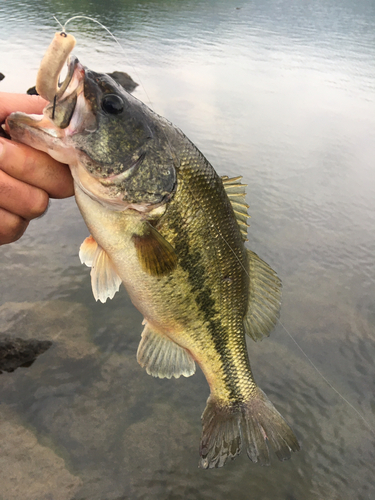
<point>61,108</point>
<point>61,112</point>
<point>62,97</point>
<point>63,115</point>
<point>72,62</point>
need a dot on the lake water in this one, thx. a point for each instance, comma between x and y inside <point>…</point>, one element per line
<point>282,93</point>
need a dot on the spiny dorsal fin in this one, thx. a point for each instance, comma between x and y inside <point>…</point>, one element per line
<point>236,194</point>
<point>156,256</point>
<point>105,281</point>
<point>264,298</point>
<point>163,358</point>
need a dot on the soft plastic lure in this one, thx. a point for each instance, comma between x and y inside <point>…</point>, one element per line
<point>47,81</point>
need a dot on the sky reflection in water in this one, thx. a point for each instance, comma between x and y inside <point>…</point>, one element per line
<point>283,94</point>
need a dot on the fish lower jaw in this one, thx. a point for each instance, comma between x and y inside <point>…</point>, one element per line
<point>113,204</point>
<point>115,180</point>
<point>39,133</point>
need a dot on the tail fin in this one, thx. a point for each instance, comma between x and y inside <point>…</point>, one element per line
<point>226,429</point>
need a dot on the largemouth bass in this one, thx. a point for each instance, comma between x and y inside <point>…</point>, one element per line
<point>164,224</point>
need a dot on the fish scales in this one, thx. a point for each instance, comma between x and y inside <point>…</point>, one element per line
<point>164,224</point>
<point>217,278</point>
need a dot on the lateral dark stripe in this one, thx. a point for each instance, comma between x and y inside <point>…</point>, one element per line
<point>190,259</point>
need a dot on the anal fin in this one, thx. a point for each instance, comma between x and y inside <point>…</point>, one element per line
<point>163,358</point>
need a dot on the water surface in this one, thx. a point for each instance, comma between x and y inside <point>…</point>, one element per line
<point>281,92</point>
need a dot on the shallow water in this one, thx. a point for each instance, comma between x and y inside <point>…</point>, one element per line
<point>282,93</point>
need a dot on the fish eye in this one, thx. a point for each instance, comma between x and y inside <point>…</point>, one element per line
<point>112,104</point>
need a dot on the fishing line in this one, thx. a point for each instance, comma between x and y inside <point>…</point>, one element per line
<point>326,380</point>
<point>286,330</point>
<point>63,28</point>
<point>304,353</point>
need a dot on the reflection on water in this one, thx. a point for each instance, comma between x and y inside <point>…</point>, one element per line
<point>283,94</point>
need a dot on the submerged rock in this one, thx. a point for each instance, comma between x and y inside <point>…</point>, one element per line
<point>65,324</point>
<point>17,352</point>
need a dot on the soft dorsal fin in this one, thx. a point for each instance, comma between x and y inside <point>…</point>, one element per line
<point>264,298</point>
<point>105,281</point>
<point>163,358</point>
<point>156,256</point>
<point>236,194</point>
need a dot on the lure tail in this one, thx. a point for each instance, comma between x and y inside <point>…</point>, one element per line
<point>253,424</point>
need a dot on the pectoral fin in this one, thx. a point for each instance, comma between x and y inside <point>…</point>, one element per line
<point>163,358</point>
<point>264,298</point>
<point>156,256</point>
<point>105,281</point>
<point>87,251</point>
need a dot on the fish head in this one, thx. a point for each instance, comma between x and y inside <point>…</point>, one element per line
<point>116,147</point>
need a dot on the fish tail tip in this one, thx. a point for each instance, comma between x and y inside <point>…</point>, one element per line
<point>252,425</point>
<point>221,437</point>
<point>262,425</point>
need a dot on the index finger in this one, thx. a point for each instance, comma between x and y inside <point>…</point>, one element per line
<point>20,102</point>
<point>36,168</point>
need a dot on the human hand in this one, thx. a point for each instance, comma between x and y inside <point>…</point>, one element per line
<point>28,178</point>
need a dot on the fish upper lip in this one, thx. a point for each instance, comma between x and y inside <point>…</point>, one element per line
<point>72,64</point>
<point>61,109</point>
